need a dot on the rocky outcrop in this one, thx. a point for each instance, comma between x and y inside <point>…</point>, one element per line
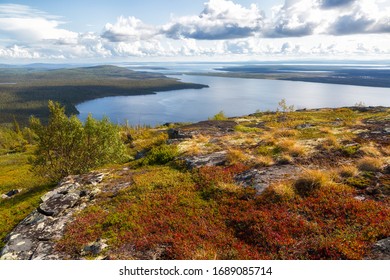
<point>380,250</point>
<point>214,159</point>
<point>211,128</point>
<point>262,179</point>
<point>35,236</point>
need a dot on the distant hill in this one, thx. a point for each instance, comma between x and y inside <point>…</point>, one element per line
<point>25,91</point>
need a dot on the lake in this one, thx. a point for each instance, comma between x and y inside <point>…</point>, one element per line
<point>233,96</point>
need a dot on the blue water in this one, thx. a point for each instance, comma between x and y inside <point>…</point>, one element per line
<point>233,96</point>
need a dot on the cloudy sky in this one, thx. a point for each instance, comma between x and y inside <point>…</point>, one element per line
<point>196,30</point>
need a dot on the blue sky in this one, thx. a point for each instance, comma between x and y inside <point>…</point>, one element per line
<point>196,30</point>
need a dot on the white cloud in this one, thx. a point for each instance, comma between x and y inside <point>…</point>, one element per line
<point>299,28</point>
<point>24,24</point>
<point>333,17</point>
<point>128,29</point>
<point>18,52</point>
<point>220,19</point>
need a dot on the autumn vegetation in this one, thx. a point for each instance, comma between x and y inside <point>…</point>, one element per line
<point>335,205</point>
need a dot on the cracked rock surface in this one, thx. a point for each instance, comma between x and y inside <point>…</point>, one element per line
<point>34,238</point>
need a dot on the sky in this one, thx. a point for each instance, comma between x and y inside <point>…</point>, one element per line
<point>197,30</point>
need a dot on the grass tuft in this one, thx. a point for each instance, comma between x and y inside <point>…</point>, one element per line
<point>370,164</point>
<point>310,181</point>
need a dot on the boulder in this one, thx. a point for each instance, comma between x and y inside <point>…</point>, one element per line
<point>178,134</point>
<point>35,236</point>
<point>12,193</point>
<point>94,248</point>
<point>262,179</point>
<point>380,250</point>
<point>214,159</point>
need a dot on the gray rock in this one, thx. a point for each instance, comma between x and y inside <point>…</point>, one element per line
<point>380,250</point>
<point>94,248</point>
<point>304,126</point>
<point>178,134</point>
<point>35,236</point>
<point>261,179</point>
<point>95,178</point>
<point>214,159</point>
<point>58,203</point>
<point>12,193</point>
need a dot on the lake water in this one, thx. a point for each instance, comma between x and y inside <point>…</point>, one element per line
<point>233,96</point>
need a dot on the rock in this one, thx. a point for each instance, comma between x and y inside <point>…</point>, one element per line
<point>386,169</point>
<point>94,178</point>
<point>178,134</point>
<point>141,154</point>
<point>211,128</point>
<point>360,198</point>
<point>261,179</point>
<point>12,193</point>
<point>214,159</point>
<point>35,236</point>
<point>94,248</point>
<point>58,203</point>
<point>304,126</point>
<point>9,194</point>
<point>380,250</point>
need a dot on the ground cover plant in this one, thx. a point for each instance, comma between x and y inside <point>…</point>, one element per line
<point>335,207</point>
<point>311,184</point>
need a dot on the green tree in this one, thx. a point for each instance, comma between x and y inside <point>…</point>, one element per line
<point>67,146</point>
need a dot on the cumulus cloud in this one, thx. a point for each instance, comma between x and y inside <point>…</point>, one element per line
<point>363,17</point>
<point>326,4</point>
<point>128,29</point>
<point>297,18</point>
<point>18,52</point>
<point>220,19</point>
<point>222,28</point>
<point>25,24</point>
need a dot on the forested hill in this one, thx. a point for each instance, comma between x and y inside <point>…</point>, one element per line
<point>25,91</point>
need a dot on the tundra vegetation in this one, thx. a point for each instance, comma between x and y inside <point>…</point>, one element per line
<point>331,203</point>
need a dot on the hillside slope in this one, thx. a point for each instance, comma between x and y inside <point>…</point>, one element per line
<point>310,184</point>
<point>26,91</point>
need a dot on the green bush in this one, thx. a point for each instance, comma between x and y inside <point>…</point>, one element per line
<point>67,146</point>
<point>161,155</point>
<point>11,141</point>
<point>219,117</point>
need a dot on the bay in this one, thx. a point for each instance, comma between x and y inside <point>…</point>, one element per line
<point>233,96</point>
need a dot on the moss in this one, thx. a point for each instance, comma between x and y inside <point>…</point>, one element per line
<point>349,150</point>
<point>358,182</point>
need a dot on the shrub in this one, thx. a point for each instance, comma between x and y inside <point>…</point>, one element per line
<point>348,171</point>
<point>67,146</point>
<point>370,150</point>
<point>219,117</point>
<point>246,129</point>
<point>310,181</point>
<point>280,192</point>
<point>11,141</point>
<point>235,156</point>
<point>370,164</point>
<point>350,150</point>
<point>329,142</point>
<point>161,155</point>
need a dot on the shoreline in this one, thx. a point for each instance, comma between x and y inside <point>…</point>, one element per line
<point>298,77</point>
